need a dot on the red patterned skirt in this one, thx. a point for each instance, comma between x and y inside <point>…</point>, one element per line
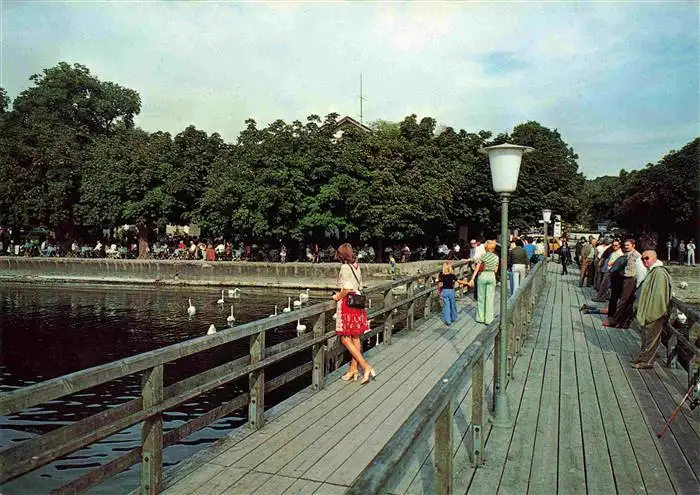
<point>350,322</point>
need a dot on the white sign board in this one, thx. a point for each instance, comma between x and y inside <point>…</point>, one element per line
<point>557,229</point>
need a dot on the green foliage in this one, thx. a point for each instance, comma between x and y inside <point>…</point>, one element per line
<point>4,101</point>
<point>45,136</point>
<point>659,198</point>
<point>128,179</point>
<point>69,153</point>
<point>549,176</point>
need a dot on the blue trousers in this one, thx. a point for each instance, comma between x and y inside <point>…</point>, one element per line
<point>449,305</point>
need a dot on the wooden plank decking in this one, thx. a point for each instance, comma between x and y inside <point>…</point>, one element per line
<point>322,443</point>
<point>584,420</point>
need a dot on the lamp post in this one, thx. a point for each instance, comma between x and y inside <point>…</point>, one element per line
<point>546,216</point>
<point>504,160</point>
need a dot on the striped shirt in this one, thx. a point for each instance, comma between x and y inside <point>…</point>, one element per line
<point>489,260</point>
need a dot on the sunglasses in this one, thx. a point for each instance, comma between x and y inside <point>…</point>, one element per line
<point>645,258</point>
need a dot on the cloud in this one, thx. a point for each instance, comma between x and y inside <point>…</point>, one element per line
<point>604,74</point>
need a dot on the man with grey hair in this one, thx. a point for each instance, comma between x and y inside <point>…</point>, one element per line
<point>652,309</point>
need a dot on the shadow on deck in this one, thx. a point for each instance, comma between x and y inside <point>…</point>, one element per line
<point>319,442</point>
<point>585,420</point>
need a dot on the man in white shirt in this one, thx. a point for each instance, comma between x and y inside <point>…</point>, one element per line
<point>690,249</point>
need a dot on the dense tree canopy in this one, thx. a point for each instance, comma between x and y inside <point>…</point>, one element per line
<point>662,197</point>
<point>71,156</point>
<point>45,136</point>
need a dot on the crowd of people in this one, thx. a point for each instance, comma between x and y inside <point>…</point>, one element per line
<point>219,249</point>
<point>634,287</point>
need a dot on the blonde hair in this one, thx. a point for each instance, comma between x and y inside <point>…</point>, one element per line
<point>447,268</point>
<point>491,246</point>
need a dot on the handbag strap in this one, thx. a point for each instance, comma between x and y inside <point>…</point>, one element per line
<point>357,279</point>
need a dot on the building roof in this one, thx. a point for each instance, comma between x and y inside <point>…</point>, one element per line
<point>347,120</point>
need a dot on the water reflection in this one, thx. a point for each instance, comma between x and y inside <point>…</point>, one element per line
<point>51,330</point>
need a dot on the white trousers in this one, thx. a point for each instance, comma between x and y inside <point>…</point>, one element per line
<point>519,274</point>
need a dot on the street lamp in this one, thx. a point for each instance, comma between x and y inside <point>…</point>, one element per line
<point>504,160</point>
<point>546,216</point>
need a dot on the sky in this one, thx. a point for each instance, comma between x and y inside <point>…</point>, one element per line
<point>619,80</point>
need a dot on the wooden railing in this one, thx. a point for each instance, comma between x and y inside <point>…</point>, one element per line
<point>156,398</point>
<point>434,415</point>
<point>684,348</point>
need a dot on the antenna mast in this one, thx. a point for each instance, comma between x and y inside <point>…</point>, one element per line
<point>361,100</point>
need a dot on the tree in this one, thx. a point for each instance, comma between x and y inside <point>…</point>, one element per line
<point>128,179</point>
<point>4,101</point>
<point>659,197</point>
<point>549,176</point>
<point>44,139</point>
<point>194,153</point>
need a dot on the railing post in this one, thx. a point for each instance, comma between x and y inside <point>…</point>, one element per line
<point>510,322</point>
<point>389,318</point>
<point>319,354</point>
<point>429,299</point>
<point>496,367</point>
<point>256,383</point>
<point>477,393</point>
<point>152,432</point>
<point>443,450</point>
<point>410,312</point>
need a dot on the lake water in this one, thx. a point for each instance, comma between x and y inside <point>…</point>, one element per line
<point>51,330</point>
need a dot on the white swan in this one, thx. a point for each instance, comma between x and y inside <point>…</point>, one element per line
<point>300,328</point>
<point>297,304</point>
<point>212,330</point>
<point>230,319</point>
<point>191,310</point>
<point>234,293</point>
<point>275,313</point>
<point>289,306</point>
<point>221,301</point>
<point>304,296</point>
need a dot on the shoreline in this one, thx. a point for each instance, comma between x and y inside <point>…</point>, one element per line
<point>183,273</point>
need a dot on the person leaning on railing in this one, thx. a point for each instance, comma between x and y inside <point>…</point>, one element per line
<point>351,322</point>
<point>487,264</point>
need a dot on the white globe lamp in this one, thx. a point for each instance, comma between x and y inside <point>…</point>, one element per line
<point>504,160</point>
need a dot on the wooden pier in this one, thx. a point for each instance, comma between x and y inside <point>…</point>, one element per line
<point>584,421</point>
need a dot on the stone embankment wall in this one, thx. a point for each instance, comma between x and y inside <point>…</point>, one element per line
<point>691,276</point>
<point>172,272</point>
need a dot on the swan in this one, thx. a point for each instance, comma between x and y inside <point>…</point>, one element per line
<point>289,306</point>
<point>212,330</point>
<point>221,301</point>
<point>230,319</point>
<point>191,310</point>
<point>300,328</point>
<point>297,304</point>
<point>275,314</point>
<point>304,296</point>
<point>234,293</point>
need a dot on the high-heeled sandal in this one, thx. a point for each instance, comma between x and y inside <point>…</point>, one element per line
<point>350,375</point>
<point>368,376</point>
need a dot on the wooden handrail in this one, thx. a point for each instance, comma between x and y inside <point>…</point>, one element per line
<point>434,413</point>
<point>38,451</point>
<point>17,400</point>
